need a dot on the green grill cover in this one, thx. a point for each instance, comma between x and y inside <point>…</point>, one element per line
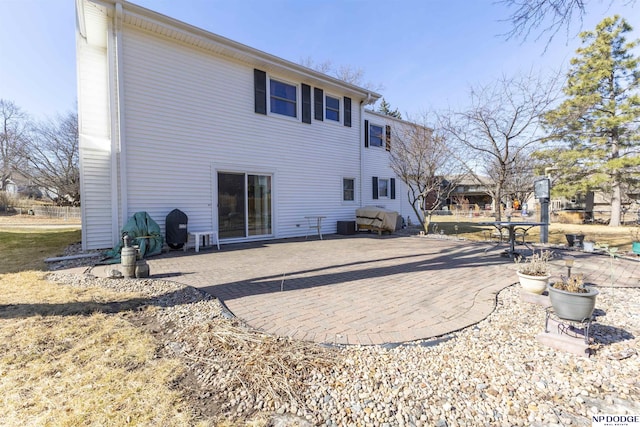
<point>143,232</point>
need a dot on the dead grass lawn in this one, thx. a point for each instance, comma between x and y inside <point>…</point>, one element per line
<point>88,368</point>
<point>26,250</point>
<point>468,228</point>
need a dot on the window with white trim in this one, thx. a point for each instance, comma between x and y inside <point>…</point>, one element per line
<point>283,98</point>
<point>383,188</point>
<point>376,135</point>
<point>348,189</point>
<point>332,108</point>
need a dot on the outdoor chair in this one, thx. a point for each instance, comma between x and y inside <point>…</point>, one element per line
<point>521,233</point>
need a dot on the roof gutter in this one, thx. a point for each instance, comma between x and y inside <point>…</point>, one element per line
<point>232,48</point>
<point>370,99</point>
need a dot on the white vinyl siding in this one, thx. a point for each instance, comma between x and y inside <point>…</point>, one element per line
<point>95,147</point>
<point>96,198</point>
<point>189,113</point>
<point>377,163</point>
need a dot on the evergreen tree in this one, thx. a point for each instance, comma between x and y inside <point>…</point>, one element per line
<point>385,108</point>
<point>598,122</point>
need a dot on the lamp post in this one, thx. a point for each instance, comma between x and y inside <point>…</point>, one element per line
<point>568,262</point>
<point>542,191</point>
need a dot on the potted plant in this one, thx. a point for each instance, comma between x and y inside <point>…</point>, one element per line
<point>574,239</point>
<point>635,240</point>
<point>571,299</point>
<point>533,272</point>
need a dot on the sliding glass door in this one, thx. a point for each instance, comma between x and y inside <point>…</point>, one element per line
<point>244,205</point>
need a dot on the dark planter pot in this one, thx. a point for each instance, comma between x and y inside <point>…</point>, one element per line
<point>572,305</point>
<point>574,240</point>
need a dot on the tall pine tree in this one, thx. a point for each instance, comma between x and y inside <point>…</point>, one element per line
<point>385,108</point>
<point>598,123</point>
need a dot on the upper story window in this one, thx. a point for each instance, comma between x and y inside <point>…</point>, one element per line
<point>332,108</point>
<point>376,133</point>
<point>295,100</point>
<point>284,98</point>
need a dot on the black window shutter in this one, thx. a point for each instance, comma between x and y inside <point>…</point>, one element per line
<point>260,91</point>
<point>375,187</point>
<point>306,103</point>
<point>387,144</point>
<point>366,133</point>
<point>347,111</point>
<point>392,183</point>
<point>318,103</point>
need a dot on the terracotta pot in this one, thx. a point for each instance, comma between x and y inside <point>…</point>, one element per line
<point>533,284</point>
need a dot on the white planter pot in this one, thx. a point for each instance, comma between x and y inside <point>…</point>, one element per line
<point>533,284</point>
<point>588,246</point>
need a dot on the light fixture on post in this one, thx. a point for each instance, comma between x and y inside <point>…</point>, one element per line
<point>568,261</point>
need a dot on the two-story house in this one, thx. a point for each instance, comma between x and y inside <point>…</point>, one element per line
<point>245,143</point>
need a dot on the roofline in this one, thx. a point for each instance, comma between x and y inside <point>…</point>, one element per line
<point>228,46</point>
<point>388,117</point>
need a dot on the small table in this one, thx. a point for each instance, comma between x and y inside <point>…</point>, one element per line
<point>314,222</point>
<point>206,239</point>
<point>511,226</point>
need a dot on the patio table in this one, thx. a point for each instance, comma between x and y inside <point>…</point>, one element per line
<point>511,226</point>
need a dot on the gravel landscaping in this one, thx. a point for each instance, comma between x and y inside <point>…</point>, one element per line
<point>493,373</point>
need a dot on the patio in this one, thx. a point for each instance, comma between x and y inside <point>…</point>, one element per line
<point>362,289</point>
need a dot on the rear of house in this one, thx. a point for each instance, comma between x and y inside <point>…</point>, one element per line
<point>172,116</point>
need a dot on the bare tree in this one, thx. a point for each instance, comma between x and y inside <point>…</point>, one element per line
<point>421,158</point>
<point>346,73</point>
<point>13,133</point>
<point>546,17</point>
<point>501,126</point>
<point>53,158</point>
<point>519,183</point>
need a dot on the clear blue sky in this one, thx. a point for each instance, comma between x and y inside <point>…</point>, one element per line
<point>425,53</point>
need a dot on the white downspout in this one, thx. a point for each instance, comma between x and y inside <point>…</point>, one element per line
<point>118,134</point>
<point>81,39</point>
<point>361,151</point>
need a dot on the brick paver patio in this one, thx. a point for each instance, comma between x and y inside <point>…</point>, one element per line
<point>363,289</point>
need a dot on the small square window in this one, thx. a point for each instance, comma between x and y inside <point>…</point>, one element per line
<point>348,189</point>
<point>332,108</point>
<point>283,98</point>
<point>375,135</point>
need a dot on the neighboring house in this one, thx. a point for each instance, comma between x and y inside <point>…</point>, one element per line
<point>10,187</point>
<point>19,184</point>
<point>473,195</point>
<point>172,116</point>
